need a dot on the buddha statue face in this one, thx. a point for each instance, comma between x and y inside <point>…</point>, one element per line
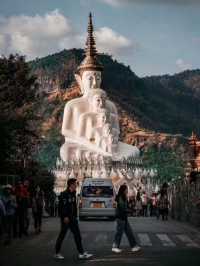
<point>98,102</point>
<point>102,117</point>
<point>89,80</point>
<point>97,99</point>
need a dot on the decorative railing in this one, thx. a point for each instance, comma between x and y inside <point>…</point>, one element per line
<point>185,200</point>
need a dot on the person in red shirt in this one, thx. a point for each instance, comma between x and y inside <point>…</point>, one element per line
<point>23,198</point>
<point>26,203</point>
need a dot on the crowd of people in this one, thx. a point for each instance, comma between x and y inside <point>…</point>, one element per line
<point>157,204</point>
<point>17,205</point>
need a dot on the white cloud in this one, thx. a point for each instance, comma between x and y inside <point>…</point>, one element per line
<point>114,3</point>
<point>118,3</point>
<point>181,64</point>
<point>37,36</point>
<point>111,42</point>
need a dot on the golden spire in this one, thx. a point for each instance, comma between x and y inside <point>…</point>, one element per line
<point>90,62</point>
<point>90,49</point>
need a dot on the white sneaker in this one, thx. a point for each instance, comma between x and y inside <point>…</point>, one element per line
<point>136,248</point>
<point>58,256</point>
<point>116,250</point>
<point>84,256</point>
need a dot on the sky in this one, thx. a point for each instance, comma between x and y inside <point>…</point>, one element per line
<point>153,37</point>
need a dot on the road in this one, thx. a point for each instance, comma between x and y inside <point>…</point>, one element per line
<point>163,243</point>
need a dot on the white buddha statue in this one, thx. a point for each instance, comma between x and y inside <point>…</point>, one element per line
<point>76,107</point>
<point>90,122</point>
<point>97,132</point>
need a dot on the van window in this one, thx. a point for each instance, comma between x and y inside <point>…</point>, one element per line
<point>97,191</point>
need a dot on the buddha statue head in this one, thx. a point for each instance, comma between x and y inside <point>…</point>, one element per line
<point>89,71</point>
<point>97,100</point>
<point>88,80</point>
<point>102,117</point>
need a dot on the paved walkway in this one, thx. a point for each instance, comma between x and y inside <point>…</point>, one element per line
<point>163,243</point>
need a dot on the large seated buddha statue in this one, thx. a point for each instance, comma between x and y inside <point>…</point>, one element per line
<point>90,123</point>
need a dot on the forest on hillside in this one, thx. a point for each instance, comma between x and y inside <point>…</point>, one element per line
<point>169,104</point>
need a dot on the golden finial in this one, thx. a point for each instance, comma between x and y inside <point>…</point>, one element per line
<point>90,62</point>
<point>90,49</point>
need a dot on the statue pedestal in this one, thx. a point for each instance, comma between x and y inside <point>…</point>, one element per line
<point>125,151</point>
<point>73,150</point>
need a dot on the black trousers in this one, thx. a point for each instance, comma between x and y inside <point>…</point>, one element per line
<point>20,220</point>
<point>8,224</point>
<point>123,227</point>
<point>74,228</point>
<point>37,216</point>
<point>144,210</point>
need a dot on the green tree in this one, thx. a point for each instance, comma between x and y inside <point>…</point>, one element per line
<point>38,174</point>
<point>19,121</point>
<point>18,94</point>
<point>168,162</point>
<point>50,149</point>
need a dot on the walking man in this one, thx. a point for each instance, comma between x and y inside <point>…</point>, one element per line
<point>37,208</point>
<point>68,215</point>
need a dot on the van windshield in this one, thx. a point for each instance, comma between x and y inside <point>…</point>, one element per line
<point>97,191</point>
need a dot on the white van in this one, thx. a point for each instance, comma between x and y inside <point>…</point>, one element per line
<point>97,198</point>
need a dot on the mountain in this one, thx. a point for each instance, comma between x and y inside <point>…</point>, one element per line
<point>169,104</point>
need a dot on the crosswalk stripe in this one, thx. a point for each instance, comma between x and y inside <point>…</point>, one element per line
<point>144,240</point>
<point>166,241</point>
<point>101,238</point>
<point>188,241</point>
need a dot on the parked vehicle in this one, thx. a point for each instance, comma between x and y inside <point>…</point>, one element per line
<point>97,198</point>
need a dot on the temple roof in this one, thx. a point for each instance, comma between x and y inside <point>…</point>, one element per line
<point>193,139</point>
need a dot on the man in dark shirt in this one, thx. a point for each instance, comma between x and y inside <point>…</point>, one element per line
<point>68,215</point>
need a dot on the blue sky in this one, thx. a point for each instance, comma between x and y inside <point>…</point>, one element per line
<point>152,36</point>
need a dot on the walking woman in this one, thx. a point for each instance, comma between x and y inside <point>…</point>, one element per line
<point>37,208</point>
<point>138,204</point>
<point>123,225</point>
<point>163,204</point>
